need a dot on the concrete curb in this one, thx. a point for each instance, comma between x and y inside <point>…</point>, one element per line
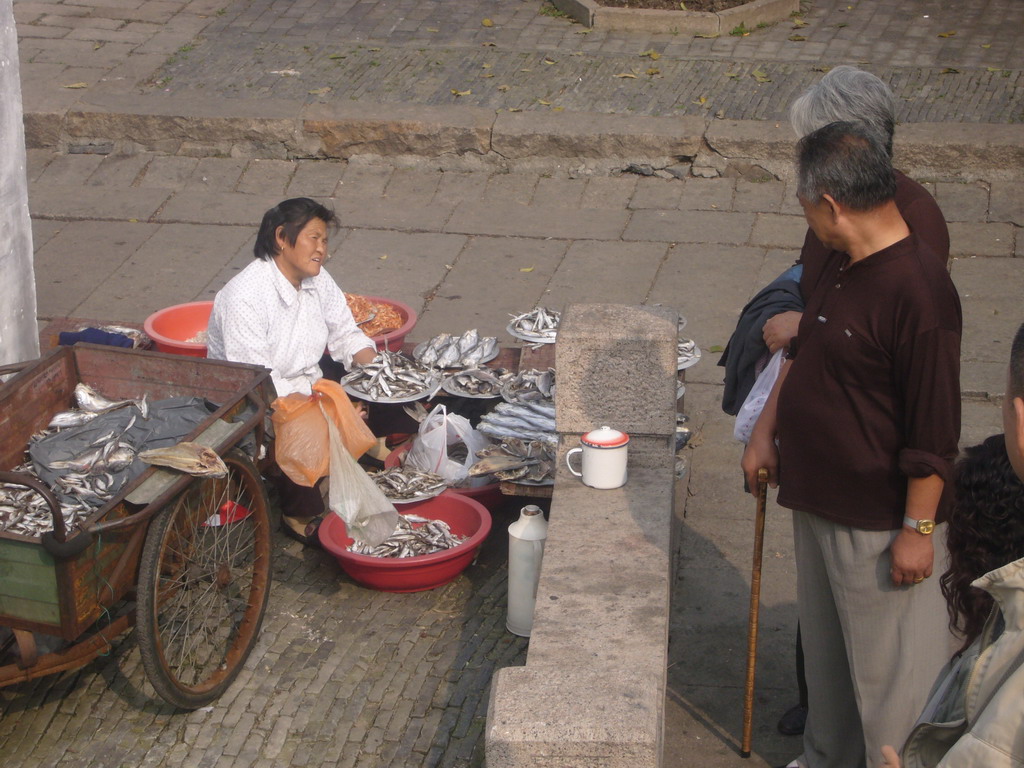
<point>749,15</point>
<point>287,129</point>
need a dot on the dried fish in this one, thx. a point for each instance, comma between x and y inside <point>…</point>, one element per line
<point>515,459</point>
<point>687,353</point>
<point>414,535</point>
<point>465,351</point>
<point>25,512</point>
<point>477,382</point>
<point>89,399</point>
<point>191,458</point>
<point>408,483</point>
<point>531,384</point>
<point>538,325</point>
<point>66,419</point>
<point>390,376</point>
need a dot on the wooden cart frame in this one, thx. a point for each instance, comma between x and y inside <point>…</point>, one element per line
<point>192,553</point>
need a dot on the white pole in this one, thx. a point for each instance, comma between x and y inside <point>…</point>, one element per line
<point>19,332</point>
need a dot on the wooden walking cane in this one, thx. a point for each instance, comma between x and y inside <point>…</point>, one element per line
<point>755,604</point>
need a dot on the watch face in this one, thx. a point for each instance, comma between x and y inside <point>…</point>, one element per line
<point>925,526</point>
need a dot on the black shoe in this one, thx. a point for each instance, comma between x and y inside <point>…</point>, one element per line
<point>792,723</point>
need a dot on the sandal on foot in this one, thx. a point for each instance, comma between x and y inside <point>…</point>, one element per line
<point>309,536</point>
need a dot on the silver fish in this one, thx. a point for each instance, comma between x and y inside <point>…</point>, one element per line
<point>89,399</point>
<point>406,483</point>
<point>413,536</point>
<point>66,419</point>
<point>390,375</point>
<point>539,324</point>
<point>191,458</point>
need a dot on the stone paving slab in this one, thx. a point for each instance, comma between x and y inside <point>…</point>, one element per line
<point>184,77</point>
<point>346,676</point>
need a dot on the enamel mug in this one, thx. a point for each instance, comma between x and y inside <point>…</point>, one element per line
<point>604,458</point>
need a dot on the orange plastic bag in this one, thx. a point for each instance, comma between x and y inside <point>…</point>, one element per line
<point>354,433</point>
<point>301,440</point>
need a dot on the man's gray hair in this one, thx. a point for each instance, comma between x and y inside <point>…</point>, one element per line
<point>848,162</point>
<point>846,93</point>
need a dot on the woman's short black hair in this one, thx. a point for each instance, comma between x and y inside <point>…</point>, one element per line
<point>293,215</point>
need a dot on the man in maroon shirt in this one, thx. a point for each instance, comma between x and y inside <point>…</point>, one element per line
<point>867,417</point>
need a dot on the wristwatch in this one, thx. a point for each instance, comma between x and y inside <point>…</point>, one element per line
<point>921,526</point>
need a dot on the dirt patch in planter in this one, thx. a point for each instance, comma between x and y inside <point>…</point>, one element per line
<point>712,6</point>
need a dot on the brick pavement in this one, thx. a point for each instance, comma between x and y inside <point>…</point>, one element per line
<point>419,52</point>
<point>346,676</point>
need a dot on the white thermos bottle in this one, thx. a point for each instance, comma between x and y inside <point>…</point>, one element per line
<point>525,551</point>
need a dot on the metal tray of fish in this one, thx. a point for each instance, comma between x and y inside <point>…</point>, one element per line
<point>538,326</point>
<point>687,354</point>
<point>466,351</point>
<point>486,382</point>
<point>391,378</point>
<point>419,394</point>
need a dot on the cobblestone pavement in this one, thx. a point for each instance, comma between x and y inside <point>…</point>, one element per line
<point>946,62</point>
<point>351,677</point>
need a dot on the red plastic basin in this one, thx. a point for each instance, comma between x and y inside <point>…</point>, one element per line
<point>465,516</point>
<point>171,328</point>
<point>489,495</point>
<point>393,340</point>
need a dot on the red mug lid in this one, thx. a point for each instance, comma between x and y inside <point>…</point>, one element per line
<point>605,437</point>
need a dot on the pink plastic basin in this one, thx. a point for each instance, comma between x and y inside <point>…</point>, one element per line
<point>393,340</point>
<point>489,495</point>
<point>465,516</point>
<point>171,328</point>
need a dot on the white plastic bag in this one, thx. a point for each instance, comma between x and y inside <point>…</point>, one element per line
<point>438,431</point>
<point>355,498</point>
<point>751,409</point>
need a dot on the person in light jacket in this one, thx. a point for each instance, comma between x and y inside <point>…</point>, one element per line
<point>974,716</point>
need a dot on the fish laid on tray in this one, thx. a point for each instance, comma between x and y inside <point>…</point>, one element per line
<point>390,376</point>
<point>466,351</point>
<point>516,460</point>
<point>531,384</point>
<point>414,535</point>
<point>526,420</point>
<point>408,483</point>
<point>539,325</point>
<point>477,382</point>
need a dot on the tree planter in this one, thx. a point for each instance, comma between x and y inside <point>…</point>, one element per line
<point>591,14</point>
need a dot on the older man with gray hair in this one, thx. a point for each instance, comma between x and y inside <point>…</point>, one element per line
<point>866,413</point>
<point>849,94</point>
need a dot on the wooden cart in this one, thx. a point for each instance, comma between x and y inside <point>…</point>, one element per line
<point>187,560</point>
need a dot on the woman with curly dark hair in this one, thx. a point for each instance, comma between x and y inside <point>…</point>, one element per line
<point>973,718</point>
<point>986,531</point>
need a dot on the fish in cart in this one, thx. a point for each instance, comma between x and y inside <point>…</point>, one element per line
<point>414,535</point>
<point>190,458</point>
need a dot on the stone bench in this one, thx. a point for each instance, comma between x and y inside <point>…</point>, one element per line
<point>593,689</point>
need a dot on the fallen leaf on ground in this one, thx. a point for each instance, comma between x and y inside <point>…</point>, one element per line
<point>504,88</point>
<point>950,71</point>
<point>383,256</point>
<point>320,91</point>
<point>947,34</point>
<point>77,85</point>
<point>798,22</point>
<point>715,348</point>
<point>544,103</point>
<point>653,71</point>
<point>373,50</point>
<point>702,101</point>
<point>456,92</point>
<point>761,77</point>
<point>487,23</point>
<point>986,45</point>
<point>549,61</point>
<point>338,56</point>
<point>652,54</point>
<point>626,74</point>
<point>706,37</point>
<point>488,45</point>
<point>487,74</point>
<point>733,75</point>
<point>797,38</point>
<point>526,269</point>
<point>433,29</point>
<point>486,65</point>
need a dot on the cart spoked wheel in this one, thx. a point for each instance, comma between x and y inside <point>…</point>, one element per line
<point>204,580</point>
